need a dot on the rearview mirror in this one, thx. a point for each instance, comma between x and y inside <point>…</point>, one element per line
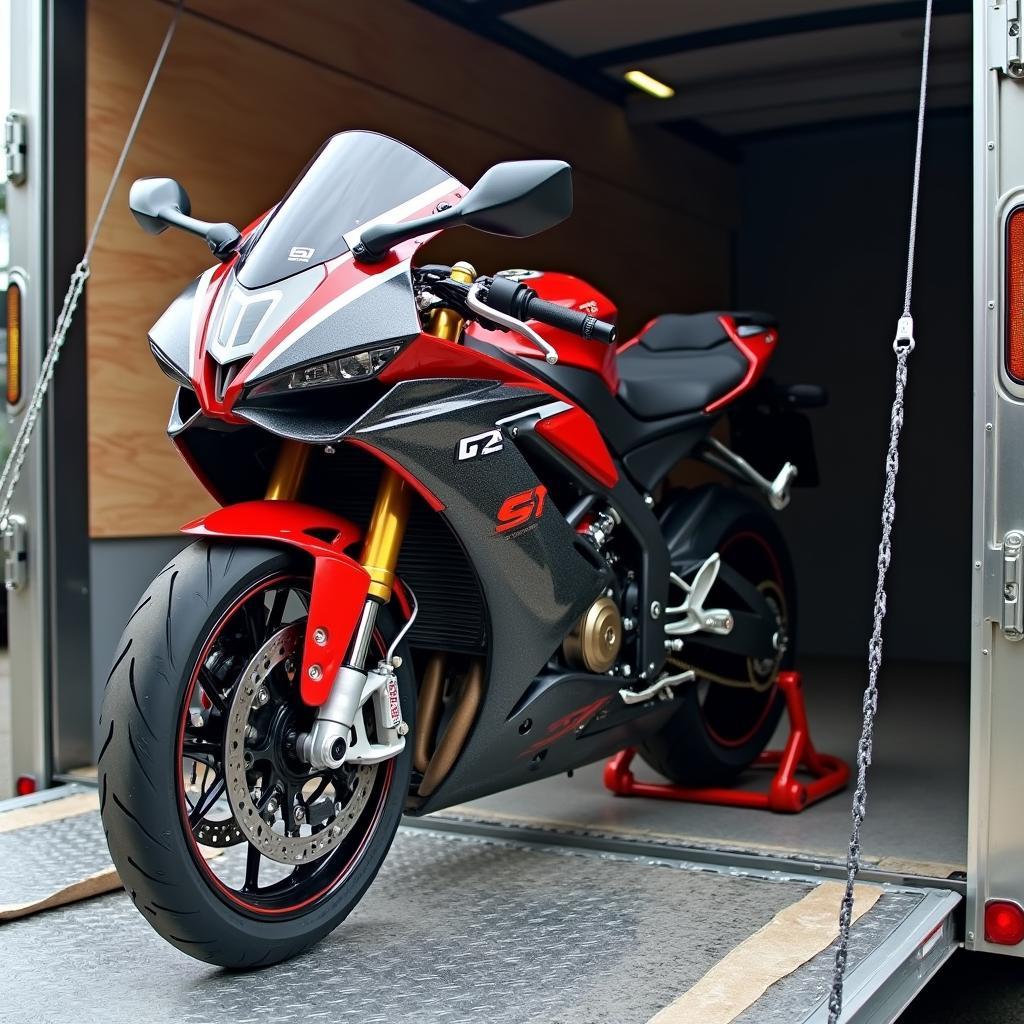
<point>159,203</point>
<point>517,199</point>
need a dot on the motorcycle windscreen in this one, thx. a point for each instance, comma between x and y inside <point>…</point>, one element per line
<point>355,177</point>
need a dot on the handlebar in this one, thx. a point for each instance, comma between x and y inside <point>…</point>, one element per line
<point>522,302</point>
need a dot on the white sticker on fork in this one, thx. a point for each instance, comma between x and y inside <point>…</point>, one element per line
<point>393,704</point>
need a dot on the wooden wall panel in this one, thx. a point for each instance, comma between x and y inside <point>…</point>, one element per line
<point>235,117</point>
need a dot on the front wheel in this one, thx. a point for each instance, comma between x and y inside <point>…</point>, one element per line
<point>232,848</point>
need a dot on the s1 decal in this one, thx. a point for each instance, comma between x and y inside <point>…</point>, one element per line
<point>520,508</point>
<point>487,443</point>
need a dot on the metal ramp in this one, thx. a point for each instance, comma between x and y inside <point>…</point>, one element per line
<point>463,927</point>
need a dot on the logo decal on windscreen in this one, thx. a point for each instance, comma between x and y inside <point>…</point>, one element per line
<point>300,254</point>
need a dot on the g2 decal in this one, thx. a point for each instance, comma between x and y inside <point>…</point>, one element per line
<point>300,254</point>
<point>486,443</point>
<point>520,508</point>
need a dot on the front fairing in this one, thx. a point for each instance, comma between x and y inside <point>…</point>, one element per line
<point>293,297</point>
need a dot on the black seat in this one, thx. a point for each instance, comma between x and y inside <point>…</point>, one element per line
<point>683,363</point>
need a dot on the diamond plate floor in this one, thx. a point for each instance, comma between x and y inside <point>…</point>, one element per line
<point>41,859</point>
<point>456,929</point>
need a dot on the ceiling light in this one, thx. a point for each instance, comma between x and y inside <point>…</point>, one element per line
<point>650,85</point>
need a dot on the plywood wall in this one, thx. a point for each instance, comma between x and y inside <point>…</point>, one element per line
<point>249,91</point>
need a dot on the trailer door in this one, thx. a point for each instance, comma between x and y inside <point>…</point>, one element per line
<point>996,822</point>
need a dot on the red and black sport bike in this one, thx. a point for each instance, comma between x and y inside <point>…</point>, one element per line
<point>448,558</point>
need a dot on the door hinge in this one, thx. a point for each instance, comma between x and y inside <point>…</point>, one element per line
<point>15,146</point>
<point>1013,567</point>
<point>1004,36</point>
<point>15,553</point>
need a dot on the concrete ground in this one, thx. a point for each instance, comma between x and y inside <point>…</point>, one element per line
<point>973,988</point>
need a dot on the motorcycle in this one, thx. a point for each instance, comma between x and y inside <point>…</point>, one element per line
<point>448,557</point>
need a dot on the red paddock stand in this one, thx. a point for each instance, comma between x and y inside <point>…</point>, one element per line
<point>786,794</point>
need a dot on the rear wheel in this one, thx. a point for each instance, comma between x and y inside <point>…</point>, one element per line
<point>234,850</point>
<point>729,715</point>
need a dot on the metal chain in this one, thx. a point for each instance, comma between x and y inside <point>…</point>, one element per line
<point>11,473</point>
<point>903,345</point>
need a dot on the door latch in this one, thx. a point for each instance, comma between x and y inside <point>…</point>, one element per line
<point>1005,41</point>
<point>1013,569</point>
<point>15,553</point>
<point>15,136</point>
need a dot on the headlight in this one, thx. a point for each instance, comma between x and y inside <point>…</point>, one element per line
<point>340,370</point>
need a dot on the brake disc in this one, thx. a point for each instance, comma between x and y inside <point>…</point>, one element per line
<point>249,697</point>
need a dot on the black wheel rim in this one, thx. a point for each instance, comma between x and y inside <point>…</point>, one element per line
<point>734,713</point>
<point>250,881</point>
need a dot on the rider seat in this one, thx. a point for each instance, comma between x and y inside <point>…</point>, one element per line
<point>680,364</point>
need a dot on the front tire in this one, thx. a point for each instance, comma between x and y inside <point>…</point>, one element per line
<point>182,652</point>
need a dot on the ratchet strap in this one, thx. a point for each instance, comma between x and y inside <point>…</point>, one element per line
<point>902,345</point>
<point>11,472</point>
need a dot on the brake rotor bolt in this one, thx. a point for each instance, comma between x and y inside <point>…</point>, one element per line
<point>272,805</point>
<point>320,636</point>
<point>262,696</point>
<point>250,732</point>
<point>315,672</point>
<point>339,807</point>
<point>655,609</point>
<point>299,814</point>
<point>197,719</point>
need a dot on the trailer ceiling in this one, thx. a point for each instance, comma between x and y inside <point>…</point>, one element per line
<point>740,68</point>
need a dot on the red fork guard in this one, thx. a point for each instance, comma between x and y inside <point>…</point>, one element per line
<point>786,794</point>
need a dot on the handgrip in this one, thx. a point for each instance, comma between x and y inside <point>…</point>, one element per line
<point>522,302</point>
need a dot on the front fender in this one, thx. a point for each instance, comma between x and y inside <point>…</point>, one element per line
<point>340,583</point>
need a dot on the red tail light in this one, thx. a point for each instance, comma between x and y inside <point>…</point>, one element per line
<point>1004,922</point>
<point>1015,295</point>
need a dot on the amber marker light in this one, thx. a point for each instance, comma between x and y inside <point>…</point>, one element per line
<point>13,343</point>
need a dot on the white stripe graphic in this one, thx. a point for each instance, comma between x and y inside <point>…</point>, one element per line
<point>399,213</point>
<point>332,307</point>
<point>198,303</point>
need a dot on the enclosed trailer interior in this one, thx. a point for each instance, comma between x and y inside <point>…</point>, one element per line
<point>777,178</point>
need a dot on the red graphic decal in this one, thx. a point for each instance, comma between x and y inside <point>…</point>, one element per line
<point>519,509</point>
<point>567,724</point>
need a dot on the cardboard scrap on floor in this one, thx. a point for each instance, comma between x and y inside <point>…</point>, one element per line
<point>94,884</point>
<point>795,935</point>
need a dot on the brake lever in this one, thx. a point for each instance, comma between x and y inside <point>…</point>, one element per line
<point>510,323</point>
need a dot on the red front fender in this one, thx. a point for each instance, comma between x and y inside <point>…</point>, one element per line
<point>340,583</point>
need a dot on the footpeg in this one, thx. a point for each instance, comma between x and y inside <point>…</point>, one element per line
<point>660,688</point>
<point>716,454</point>
<point>695,618</point>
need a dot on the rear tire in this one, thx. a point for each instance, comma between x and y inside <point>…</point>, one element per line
<point>718,730</point>
<point>151,689</point>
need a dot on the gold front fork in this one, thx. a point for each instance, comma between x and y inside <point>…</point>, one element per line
<point>286,478</point>
<point>391,510</point>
